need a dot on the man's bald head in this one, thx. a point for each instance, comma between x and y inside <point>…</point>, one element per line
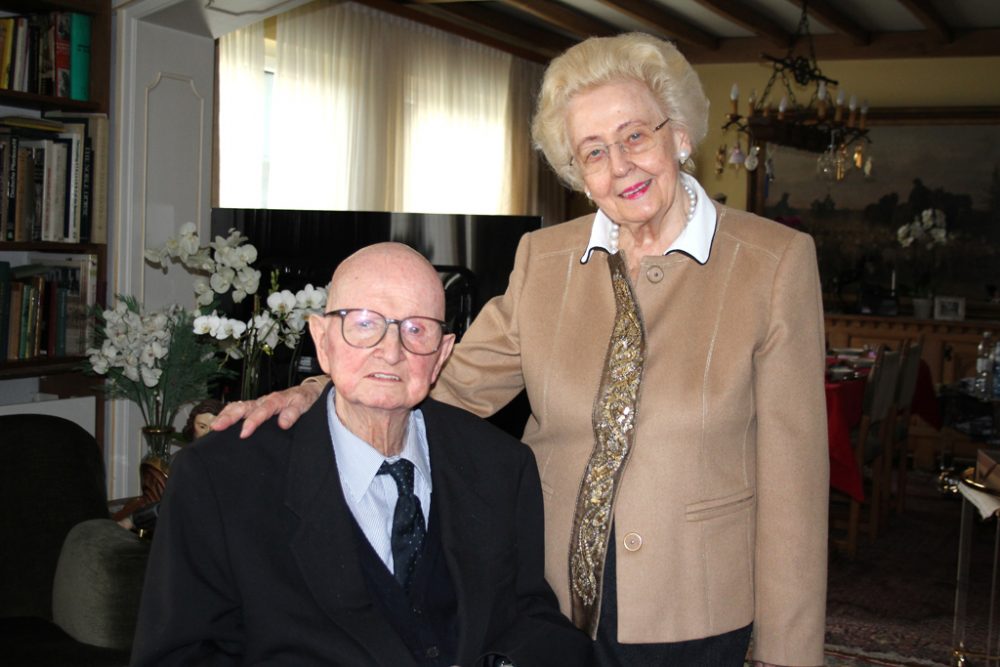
<point>388,266</point>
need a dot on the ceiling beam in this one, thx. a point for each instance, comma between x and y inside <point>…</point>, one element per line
<point>828,13</point>
<point>927,14</point>
<point>564,18</point>
<point>737,12</point>
<point>913,44</point>
<point>479,16</point>
<point>417,13</point>
<point>664,21</point>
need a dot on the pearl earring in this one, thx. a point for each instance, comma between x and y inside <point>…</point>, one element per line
<point>683,156</point>
<point>587,192</point>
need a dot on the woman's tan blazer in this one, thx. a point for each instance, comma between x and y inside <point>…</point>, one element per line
<point>721,518</point>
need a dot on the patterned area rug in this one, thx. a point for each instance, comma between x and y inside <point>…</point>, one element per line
<point>894,605</point>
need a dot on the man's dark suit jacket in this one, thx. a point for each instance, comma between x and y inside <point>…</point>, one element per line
<point>256,558</point>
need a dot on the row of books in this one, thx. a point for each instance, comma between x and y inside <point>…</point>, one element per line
<point>45,306</point>
<point>54,178</point>
<point>47,54</point>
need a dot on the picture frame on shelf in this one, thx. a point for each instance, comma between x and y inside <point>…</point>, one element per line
<point>950,308</point>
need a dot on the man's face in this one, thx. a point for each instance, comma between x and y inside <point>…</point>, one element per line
<point>385,378</point>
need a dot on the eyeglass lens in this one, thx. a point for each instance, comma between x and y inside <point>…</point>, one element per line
<point>593,157</point>
<point>366,328</point>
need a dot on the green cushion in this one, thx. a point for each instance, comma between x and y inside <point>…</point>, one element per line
<point>98,583</point>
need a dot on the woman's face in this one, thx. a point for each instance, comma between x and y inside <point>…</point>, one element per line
<point>202,424</point>
<point>631,189</point>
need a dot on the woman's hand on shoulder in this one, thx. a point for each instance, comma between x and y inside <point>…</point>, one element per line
<point>288,404</point>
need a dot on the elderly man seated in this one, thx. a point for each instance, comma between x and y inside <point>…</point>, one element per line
<point>384,529</point>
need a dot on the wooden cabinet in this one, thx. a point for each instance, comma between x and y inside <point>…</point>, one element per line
<point>60,375</point>
<point>949,347</point>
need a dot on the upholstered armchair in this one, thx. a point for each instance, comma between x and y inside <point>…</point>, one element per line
<point>70,577</point>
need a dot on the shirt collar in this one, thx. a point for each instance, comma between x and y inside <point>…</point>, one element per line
<point>694,240</point>
<point>358,462</point>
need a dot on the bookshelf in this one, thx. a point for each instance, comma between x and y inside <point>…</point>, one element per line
<point>46,373</point>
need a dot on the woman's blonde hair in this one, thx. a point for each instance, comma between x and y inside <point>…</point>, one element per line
<point>602,60</point>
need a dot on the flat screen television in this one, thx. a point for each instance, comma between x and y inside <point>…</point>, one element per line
<point>474,255</point>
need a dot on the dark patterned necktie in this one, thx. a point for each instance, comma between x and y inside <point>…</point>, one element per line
<point>408,528</point>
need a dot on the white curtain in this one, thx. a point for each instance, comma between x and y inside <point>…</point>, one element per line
<point>373,112</point>
<point>241,147</point>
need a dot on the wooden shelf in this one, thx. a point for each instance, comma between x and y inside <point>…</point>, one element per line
<point>100,56</point>
<point>64,376</point>
<point>26,368</point>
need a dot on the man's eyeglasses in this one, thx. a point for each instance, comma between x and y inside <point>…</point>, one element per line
<point>365,328</point>
<point>595,156</point>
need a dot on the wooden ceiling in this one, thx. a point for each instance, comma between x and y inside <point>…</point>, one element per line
<point>722,31</point>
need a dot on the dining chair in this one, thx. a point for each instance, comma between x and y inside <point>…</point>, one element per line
<point>899,431</point>
<point>870,446</point>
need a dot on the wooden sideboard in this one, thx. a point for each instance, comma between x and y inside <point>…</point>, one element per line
<point>949,347</point>
<point>949,350</point>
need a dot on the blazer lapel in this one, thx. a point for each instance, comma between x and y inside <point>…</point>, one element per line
<point>462,513</point>
<point>324,544</point>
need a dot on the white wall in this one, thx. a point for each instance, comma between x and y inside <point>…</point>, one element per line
<point>163,83</point>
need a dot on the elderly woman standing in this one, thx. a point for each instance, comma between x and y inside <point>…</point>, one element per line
<point>672,353</point>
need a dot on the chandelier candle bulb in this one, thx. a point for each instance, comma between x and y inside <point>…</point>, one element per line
<point>852,118</point>
<point>838,114</point>
<point>734,98</point>
<point>864,115</point>
<point>752,102</point>
<point>782,107</point>
<point>821,97</point>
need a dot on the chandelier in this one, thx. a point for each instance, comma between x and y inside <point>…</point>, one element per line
<point>834,127</point>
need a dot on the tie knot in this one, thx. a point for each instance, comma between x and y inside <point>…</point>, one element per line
<point>402,472</point>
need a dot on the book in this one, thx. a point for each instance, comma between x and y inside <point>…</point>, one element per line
<point>61,52</point>
<point>77,272</point>
<point>32,123</point>
<point>95,188</point>
<point>76,133</point>
<point>6,49</point>
<point>14,320</point>
<point>19,65</point>
<point>8,175</point>
<point>45,67</point>
<point>5,279</point>
<point>24,194</point>
<point>27,336</point>
<point>57,175</point>
<point>79,59</point>
<point>60,320</point>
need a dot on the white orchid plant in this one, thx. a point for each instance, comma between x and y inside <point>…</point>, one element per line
<point>224,267</point>
<point>928,231</point>
<point>152,359</point>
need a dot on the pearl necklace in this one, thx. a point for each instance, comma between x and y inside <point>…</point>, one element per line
<point>615,230</point>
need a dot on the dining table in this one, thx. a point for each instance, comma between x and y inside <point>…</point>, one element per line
<point>844,402</point>
<point>845,396</point>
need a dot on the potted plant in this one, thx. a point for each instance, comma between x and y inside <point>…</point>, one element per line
<point>927,232</point>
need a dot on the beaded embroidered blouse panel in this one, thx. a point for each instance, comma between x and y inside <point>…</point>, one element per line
<point>614,435</point>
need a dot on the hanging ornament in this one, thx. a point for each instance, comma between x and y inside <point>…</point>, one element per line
<point>736,157</point>
<point>752,160</point>
<point>720,160</point>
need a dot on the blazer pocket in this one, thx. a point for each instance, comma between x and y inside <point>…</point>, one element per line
<point>715,507</point>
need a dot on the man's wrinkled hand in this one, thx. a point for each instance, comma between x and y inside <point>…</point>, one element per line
<point>288,404</point>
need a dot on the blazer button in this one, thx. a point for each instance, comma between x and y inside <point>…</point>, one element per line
<point>633,541</point>
<point>433,652</point>
<point>654,274</point>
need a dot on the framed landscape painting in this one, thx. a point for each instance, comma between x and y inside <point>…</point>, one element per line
<point>917,212</point>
